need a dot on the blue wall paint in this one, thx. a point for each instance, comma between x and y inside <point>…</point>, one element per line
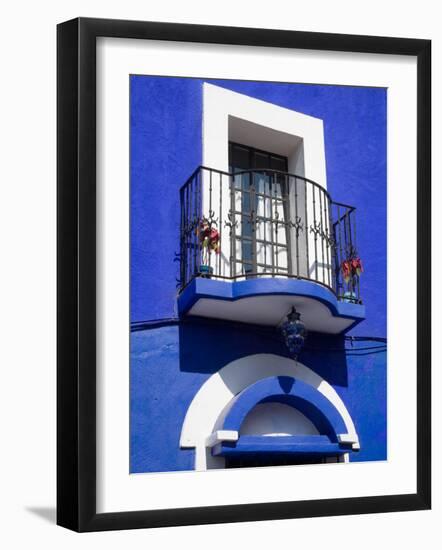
<point>169,364</point>
<point>165,130</point>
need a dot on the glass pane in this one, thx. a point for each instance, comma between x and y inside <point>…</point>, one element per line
<point>264,253</point>
<point>261,160</point>
<point>239,268</point>
<point>245,204</point>
<point>246,229</point>
<point>262,193</point>
<point>280,236</point>
<point>239,158</point>
<point>262,183</point>
<point>264,269</point>
<point>278,206</point>
<point>247,268</point>
<point>281,257</point>
<point>247,251</point>
<point>262,206</point>
<point>238,249</point>
<point>264,231</point>
<point>238,201</point>
<point>278,163</point>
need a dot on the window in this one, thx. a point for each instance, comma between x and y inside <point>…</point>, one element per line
<point>260,201</point>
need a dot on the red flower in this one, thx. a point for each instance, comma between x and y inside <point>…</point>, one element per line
<point>351,267</point>
<point>346,270</point>
<point>209,237</point>
<point>214,241</point>
<point>204,231</point>
<point>356,266</point>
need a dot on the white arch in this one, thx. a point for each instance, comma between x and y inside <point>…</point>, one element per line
<point>218,391</point>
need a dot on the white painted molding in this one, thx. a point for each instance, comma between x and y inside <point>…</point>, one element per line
<point>221,435</point>
<point>231,115</point>
<point>217,392</point>
<point>271,310</point>
<point>347,438</point>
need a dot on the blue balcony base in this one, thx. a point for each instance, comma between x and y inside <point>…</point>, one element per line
<point>266,301</point>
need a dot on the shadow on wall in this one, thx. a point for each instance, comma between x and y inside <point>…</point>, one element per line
<point>326,354</point>
<point>205,346</point>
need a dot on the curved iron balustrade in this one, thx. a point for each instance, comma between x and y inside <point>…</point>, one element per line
<point>265,223</point>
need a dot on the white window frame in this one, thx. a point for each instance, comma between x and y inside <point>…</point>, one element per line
<point>231,116</point>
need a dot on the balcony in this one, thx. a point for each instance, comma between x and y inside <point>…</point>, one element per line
<point>257,242</point>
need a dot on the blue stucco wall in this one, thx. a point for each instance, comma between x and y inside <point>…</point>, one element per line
<point>170,362</point>
<point>165,147</point>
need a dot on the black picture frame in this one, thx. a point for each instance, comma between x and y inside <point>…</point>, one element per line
<point>76,273</point>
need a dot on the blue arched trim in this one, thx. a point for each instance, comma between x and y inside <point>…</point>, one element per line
<point>284,389</point>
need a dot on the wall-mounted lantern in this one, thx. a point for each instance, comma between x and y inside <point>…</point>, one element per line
<point>294,332</point>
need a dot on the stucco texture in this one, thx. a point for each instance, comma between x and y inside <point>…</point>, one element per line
<point>170,361</point>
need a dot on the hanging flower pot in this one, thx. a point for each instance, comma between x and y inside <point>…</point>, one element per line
<point>351,269</point>
<point>206,270</point>
<point>209,242</point>
<point>350,297</point>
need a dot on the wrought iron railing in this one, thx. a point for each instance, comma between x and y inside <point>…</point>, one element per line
<point>265,223</point>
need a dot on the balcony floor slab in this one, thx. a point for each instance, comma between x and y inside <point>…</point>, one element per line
<point>266,301</point>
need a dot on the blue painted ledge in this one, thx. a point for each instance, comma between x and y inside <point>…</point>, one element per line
<point>250,445</point>
<point>209,298</point>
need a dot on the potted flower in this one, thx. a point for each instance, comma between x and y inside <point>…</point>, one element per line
<point>209,242</point>
<point>351,269</point>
